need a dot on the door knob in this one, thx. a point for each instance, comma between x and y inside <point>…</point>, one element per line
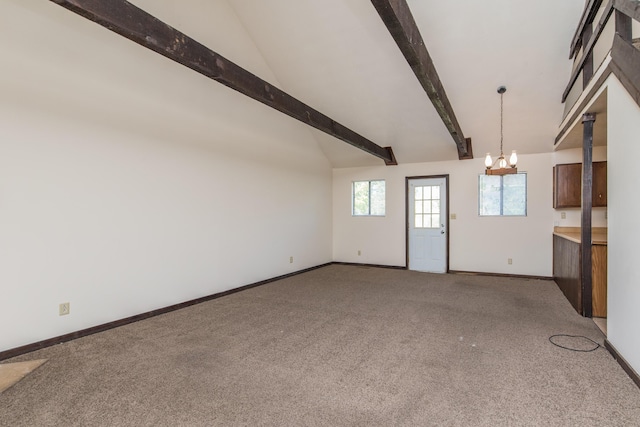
<point>441,231</point>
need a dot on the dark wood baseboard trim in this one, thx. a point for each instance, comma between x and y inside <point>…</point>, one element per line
<point>7,354</point>
<point>623,363</point>
<point>357,264</point>
<point>515,276</point>
<point>468,273</point>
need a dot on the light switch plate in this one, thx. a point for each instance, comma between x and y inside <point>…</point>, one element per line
<point>64,309</point>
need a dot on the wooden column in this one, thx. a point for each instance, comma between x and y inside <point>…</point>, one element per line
<point>587,203</point>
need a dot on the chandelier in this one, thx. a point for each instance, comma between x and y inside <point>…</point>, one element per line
<point>501,162</point>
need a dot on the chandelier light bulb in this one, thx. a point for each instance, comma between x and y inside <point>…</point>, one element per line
<point>488,162</point>
<point>502,163</point>
<point>513,160</point>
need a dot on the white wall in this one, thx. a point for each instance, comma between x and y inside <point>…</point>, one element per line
<point>477,243</point>
<point>129,183</point>
<point>623,279</point>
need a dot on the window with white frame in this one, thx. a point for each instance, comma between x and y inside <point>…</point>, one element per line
<point>368,198</point>
<point>427,206</point>
<point>504,195</point>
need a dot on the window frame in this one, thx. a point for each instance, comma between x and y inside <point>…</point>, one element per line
<point>422,212</point>
<point>353,198</point>
<point>501,214</point>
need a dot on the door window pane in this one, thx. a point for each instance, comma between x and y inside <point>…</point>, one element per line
<point>436,193</point>
<point>427,206</point>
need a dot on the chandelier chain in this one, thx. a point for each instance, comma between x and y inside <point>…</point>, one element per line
<point>503,167</point>
<point>501,115</point>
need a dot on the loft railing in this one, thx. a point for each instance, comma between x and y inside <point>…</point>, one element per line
<point>599,35</point>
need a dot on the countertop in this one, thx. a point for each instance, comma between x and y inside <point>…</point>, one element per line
<point>598,234</point>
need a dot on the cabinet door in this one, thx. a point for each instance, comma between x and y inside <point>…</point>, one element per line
<point>599,184</point>
<point>599,281</point>
<point>567,185</point>
<point>567,180</point>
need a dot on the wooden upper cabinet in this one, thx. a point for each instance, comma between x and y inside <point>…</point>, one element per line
<point>567,184</point>
<point>599,184</point>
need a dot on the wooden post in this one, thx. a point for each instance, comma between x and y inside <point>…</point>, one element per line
<point>587,203</point>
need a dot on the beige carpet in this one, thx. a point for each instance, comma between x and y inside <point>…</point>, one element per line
<point>11,373</point>
<point>338,346</point>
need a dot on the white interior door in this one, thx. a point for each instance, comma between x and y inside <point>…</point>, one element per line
<point>427,225</point>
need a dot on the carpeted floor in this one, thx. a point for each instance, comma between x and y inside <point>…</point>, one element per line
<point>338,346</point>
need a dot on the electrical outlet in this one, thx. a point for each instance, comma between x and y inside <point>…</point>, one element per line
<point>290,260</point>
<point>563,215</point>
<point>359,253</point>
<point>64,309</point>
<point>509,261</point>
<point>454,216</point>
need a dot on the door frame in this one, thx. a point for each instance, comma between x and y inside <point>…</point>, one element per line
<point>406,214</point>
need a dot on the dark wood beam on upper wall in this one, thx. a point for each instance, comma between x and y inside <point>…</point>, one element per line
<point>625,64</point>
<point>624,26</point>
<point>398,19</point>
<point>588,48</point>
<point>131,22</point>
<point>589,12</point>
<point>631,8</point>
<point>587,65</point>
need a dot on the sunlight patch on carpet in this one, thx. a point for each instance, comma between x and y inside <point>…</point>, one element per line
<point>11,373</point>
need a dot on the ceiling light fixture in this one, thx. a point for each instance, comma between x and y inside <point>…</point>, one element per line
<point>503,168</point>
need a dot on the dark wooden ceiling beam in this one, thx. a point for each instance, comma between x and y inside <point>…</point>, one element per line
<point>398,19</point>
<point>131,22</point>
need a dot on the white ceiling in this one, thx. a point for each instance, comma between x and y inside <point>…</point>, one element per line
<point>338,57</point>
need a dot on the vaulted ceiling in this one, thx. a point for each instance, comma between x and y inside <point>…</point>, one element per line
<point>338,57</point>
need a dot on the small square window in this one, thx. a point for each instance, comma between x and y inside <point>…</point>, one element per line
<point>368,198</point>
<point>504,195</point>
